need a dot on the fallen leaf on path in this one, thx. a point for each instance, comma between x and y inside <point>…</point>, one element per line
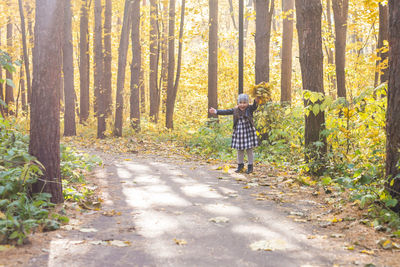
<point>180,242</point>
<point>98,242</point>
<point>219,220</point>
<point>111,213</point>
<point>369,252</point>
<point>269,245</point>
<point>337,235</point>
<point>226,168</point>
<point>6,247</point>
<point>350,248</point>
<point>88,230</point>
<point>119,243</point>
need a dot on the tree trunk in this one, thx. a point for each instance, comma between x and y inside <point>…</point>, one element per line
<point>84,64</point>
<point>44,141</point>
<point>246,22</point>
<point>122,55</point>
<point>68,70</point>
<point>393,104</point>
<point>241,48</point>
<point>25,49</point>
<point>340,11</point>
<point>171,65</point>
<point>383,35</point>
<point>164,56</point>
<point>329,52</point>
<point>98,71</point>
<point>135,67</point>
<point>142,87</point>
<point>23,91</point>
<point>107,57</point>
<point>287,43</point>
<point>9,99</point>
<point>153,65</point>
<point>178,65</point>
<point>308,14</point>
<point>213,57</point>
<point>231,11</point>
<point>264,13</point>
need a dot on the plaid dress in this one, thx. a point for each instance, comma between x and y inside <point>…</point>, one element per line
<point>244,135</point>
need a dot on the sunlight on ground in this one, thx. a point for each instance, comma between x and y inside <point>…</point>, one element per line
<point>200,190</point>
<point>223,209</point>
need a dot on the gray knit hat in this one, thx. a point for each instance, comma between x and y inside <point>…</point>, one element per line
<point>243,98</point>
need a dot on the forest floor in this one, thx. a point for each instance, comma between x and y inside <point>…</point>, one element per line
<point>162,207</point>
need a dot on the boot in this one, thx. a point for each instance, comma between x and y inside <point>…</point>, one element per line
<point>240,167</point>
<point>249,168</point>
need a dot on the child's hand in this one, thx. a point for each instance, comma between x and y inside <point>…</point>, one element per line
<point>258,99</point>
<point>212,111</point>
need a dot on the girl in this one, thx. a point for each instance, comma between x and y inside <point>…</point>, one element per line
<point>244,134</point>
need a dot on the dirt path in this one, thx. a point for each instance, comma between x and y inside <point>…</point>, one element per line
<point>166,212</point>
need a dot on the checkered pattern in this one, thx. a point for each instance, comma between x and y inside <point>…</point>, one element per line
<point>244,136</point>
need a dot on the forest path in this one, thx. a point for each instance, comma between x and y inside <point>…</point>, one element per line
<point>161,211</point>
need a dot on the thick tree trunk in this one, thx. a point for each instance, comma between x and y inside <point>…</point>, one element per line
<point>213,57</point>
<point>107,57</point>
<point>84,62</point>
<point>44,141</point>
<point>340,11</point>
<point>25,49</point>
<point>383,35</point>
<point>136,67</point>
<point>122,55</point>
<point>153,65</point>
<point>68,70</point>
<point>264,13</point>
<point>99,71</point>
<point>393,104</point>
<point>9,96</point>
<point>308,14</point>
<point>287,43</point>
<point>171,65</point>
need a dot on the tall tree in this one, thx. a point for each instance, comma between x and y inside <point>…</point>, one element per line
<point>340,11</point>
<point>329,51</point>
<point>393,103</point>
<point>264,13</point>
<point>84,62</point>
<point>287,43</point>
<point>213,56</point>
<point>9,96</point>
<point>308,14</point>
<point>171,62</point>
<point>99,71</point>
<point>44,141</point>
<point>136,66</point>
<point>153,65</point>
<point>68,70</point>
<point>107,57</point>
<point>122,55</point>
<point>25,47</point>
<point>164,55</point>
<point>382,71</point>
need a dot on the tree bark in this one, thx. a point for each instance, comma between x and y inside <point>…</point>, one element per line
<point>44,141</point>
<point>329,52</point>
<point>340,11</point>
<point>308,14</point>
<point>231,11</point>
<point>25,48</point>
<point>84,64</point>
<point>153,65</point>
<point>393,103</point>
<point>23,91</point>
<point>171,65</point>
<point>9,96</point>
<point>107,57</point>
<point>264,13</point>
<point>68,70</point>
<point>29,9</point>
<point>99,71</point>
<point>1,86</point>
<point>136,67</point>
<point>213,57</point>
<point>287,43</point>
<point>122,56</point>
<point>164,56</point>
